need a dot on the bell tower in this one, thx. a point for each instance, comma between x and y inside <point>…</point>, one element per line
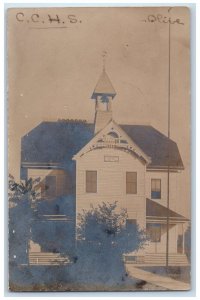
<point>103,95</point>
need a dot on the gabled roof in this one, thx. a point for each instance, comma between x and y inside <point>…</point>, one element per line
<point>57,142</point>
<point>130,146</point>
<point>104,86</point>
<point>156,145</point>
<point>156,211</point>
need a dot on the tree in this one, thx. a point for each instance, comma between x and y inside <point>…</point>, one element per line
<point>104,235</point>
<point>24,205</point>
<point>22,199</point>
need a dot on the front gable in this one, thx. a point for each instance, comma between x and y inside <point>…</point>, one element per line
<point>113,136</point>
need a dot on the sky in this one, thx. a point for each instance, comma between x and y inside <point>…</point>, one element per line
<point>52,71</point>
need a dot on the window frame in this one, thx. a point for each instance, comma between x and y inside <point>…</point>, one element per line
<point>88,183</point>
<point>131,222</point>
<point>153,196</point>
<point>46,190</point>
<point>131,190</point>
<point>154,239</point>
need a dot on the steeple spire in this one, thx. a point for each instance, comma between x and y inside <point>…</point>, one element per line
<point>104,60</point>
<point>103,93</point>
<point>104,87</point>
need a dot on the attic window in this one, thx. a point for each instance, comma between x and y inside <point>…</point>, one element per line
<point>113,135</point>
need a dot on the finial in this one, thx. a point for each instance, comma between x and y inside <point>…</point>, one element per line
<point>104,55</point>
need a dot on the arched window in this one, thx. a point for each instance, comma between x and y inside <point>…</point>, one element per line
<point>113,135</point>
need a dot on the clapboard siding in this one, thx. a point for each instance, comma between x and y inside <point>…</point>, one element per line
<point>173,184</point>
<point>111,181</point>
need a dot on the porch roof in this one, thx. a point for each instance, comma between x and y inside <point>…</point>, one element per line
<point>158,212</point>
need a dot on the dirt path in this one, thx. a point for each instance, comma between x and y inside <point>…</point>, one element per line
<point>165,282</point>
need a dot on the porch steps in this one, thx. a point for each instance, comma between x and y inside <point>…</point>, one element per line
<point>158,259</point>
<point>47,258</point>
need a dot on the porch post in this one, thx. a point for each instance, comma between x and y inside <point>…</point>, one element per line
<point>183,239</point>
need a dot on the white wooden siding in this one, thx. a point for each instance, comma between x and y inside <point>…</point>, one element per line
<point>111,182</point>
<point>173,188</point>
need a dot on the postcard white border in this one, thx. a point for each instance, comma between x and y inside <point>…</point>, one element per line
<point>195,48</point>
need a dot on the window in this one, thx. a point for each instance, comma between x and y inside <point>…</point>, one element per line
<point>50,186</point>
<point>91,181</point>
<point>155,188</point>
<point>154,232</point>
<point>131,224</point>
<point>113,134</point>
<point>131,182</point>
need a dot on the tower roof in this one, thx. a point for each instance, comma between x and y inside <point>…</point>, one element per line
<point>104,87</point>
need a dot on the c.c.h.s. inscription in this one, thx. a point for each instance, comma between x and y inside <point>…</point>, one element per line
<point>47,19</point>
<point>159,18</point>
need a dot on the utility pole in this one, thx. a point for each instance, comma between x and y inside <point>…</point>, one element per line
<point>168,135</point>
